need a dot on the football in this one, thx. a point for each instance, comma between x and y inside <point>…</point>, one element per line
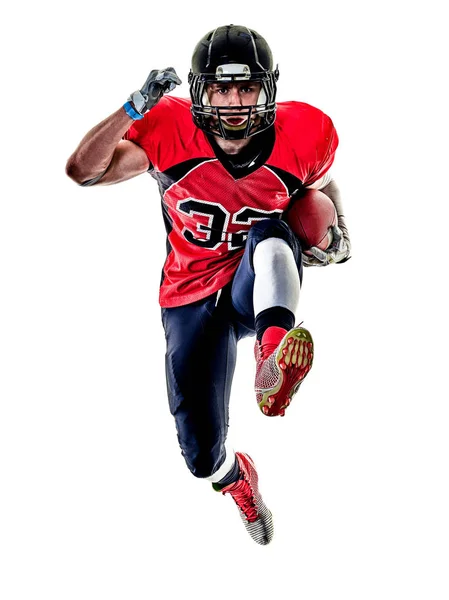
<point>310,217</point>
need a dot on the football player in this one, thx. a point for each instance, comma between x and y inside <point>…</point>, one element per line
<point>228,162</point>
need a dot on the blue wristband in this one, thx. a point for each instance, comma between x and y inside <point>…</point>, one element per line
<point>131,112</point>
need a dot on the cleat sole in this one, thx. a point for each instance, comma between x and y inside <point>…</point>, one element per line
<point>294,358</point>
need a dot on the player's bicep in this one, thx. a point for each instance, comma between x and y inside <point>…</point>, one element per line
<point>128,160</point>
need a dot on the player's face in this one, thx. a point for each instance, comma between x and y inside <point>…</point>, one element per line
<point>234,95</point>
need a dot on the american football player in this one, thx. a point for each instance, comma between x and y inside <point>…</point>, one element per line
<point>228,162</point>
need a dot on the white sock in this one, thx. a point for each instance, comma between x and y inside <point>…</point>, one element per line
<point>277,278</point>
<point>225,467</point>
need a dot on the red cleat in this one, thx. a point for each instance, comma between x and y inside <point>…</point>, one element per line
<point>283,360</point>
<point>255,515</point>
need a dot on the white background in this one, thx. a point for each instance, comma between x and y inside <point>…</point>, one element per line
<point>96,501</point>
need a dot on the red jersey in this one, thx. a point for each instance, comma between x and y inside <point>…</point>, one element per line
<point>210,199</point>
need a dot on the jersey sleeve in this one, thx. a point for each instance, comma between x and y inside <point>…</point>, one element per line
<point>140,133</point>
<point>156,127</point>
<point>167,134</point>
<point>326,143</point>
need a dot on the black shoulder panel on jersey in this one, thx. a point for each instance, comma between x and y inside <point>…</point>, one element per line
<point>175,173</point>
<point>294,185</point>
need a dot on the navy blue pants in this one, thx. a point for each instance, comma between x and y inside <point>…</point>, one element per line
<point>201,354</point>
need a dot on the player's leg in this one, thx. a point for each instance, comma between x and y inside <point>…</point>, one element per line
<point>266,291</point>
<point>200,362</point>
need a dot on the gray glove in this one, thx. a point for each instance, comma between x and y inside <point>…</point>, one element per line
<point>157,84</point>
<point>338,252</point>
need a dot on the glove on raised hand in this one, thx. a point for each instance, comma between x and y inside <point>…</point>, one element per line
<point>157,84</point>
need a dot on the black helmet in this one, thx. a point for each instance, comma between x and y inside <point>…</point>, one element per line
<point>233,53</point>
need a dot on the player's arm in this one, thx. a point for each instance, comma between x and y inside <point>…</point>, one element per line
<point>102,157</point>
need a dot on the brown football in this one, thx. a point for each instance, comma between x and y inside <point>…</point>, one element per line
<point>310,217</point>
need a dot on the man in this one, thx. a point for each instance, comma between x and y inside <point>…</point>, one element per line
<point>233,266</point>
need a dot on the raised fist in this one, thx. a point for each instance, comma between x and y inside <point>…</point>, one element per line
<point>157,84</point>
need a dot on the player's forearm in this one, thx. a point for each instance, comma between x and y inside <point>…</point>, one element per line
<point>332,190</point>
<point>95,151</point>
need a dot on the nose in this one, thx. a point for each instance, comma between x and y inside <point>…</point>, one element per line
<point>234,96</point>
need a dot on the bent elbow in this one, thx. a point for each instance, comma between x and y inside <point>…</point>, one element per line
<point>73,171</point>
<point>76,173</point>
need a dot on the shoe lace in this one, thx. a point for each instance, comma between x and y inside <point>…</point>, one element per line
<point>243,496</point>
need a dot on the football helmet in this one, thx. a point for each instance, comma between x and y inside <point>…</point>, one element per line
<point>229,54</point>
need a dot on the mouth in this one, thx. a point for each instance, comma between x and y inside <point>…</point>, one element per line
<point>235,123</point>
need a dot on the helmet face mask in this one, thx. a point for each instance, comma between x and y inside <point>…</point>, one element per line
<point>230,55</point>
